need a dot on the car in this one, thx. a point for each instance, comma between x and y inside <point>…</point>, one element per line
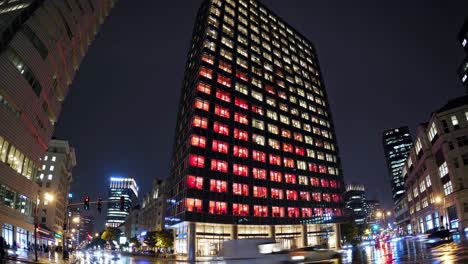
<point>253,251</point>
<point>308,254</point>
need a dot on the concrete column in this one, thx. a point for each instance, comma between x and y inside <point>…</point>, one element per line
<point>272,231</point>
<point>234,231</point>
<point>304,235</point>
<point>15,236</point>
<point>191,242</point>
<point>338,235</point>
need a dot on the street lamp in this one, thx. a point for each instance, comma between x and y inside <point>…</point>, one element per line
<point>378,214</point>
<point>96,235</point>
<point>389,213</point>
<point>438,200</point>
<point>47,198</point>
<point>76,220</point>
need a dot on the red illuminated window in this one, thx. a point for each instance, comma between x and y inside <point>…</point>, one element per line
<point>324,183</point>
<point>207,73</point>
<point>218,186</point>
<point>314,182</point>
<point>259,173</point>
<point>300,151</point>
<point>240,189</point>
<point>225,96</point>
<point>219,165</point>
<point>221,128</point>
<point>318,211</point>
<point>193,205</point>
<point>241,118</point>
<point>261,210</point>
<point>288,162</point>
<point>240,209</point>
<point>241,152</point>
<point>326,197</point>
<point>270,89</point>
<point>337,211</point>
<point>259,156</point>
<point>313,167</point>
<point>290,178</point>
<point>258,109</point>
<point>242,76</point>
<point>224,80</point>
<point>260,192</point>
<point>291,195</point>
<point>287,147</point>
<point>194,182</point>
<point>298,137</point>
<point>275,159</point>
<point>335,198</point>
<point>305,196</point>
<point>241,134</point>
<point>277,211</point>
<point>322,169</point>
<point>196,161</point>
<point>198,141</point>
<point>207,58</point>
<point>282,95</point>
<point>333,184</point>
<point>306,212</point>
<point>221,111</point>
<point>225,67</point>
<point>204,88</point>
<point>293,212</point>
<point>317,197</point>
<point>241,170</point>
<point>219,208</point>
<point>285,133</point>
<point>276,194</point>
<point>275,176</point>
<point>201,122</point>
<point>241,103</point>
<point>202,104</point>
<point>220,146</point>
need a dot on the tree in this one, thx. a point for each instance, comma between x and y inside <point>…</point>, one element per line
<point>150,239</point>
<point>349,232</point>
<point>164,239</point>
<point>135,241</point>
<point>111,233</point>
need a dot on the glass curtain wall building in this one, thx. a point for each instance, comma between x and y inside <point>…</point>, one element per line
<point>255,151</point>
<point>42,43</point>
<point>126,187</point>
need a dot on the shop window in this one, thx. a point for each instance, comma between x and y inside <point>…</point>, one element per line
<point>201,122</point>
<point>219,165</point>
<point>241,134</point>
<point>218,186</point>
<point>194,182</point>
<point>240,189</point>
<point>277,211</point>
<point>196,161</point>
<point>220,146</point>
<point>202,104</point>
<point>288,162</point>
<point>259,173</point>
<point>219,208</point>
<point>204,88</point>
<point>305,196</point>
<point>225,96</point>
<point>291,195</point>
<point>224,80</point>
<point>241,152</point>
<point>240,209</point>
<point>300,151</point>
<point>324,183</point>
<point>193,205</point>
<point>241,170</point>
<point>198,141</point>
<point>221,128</point>
<point>277,194</point>
<point>241,118</point>
<point>241,103</point>
<point>221,111</point>
<point>293,212</point>
<point>260,192</point>
<point>275,159</point>
<point>205,72</point>
<point>290,178</point>
<point>261,210</point>
<point>306,212</point>
<point>275,176</point>
<point>287,147</point>
<point>317,197</point>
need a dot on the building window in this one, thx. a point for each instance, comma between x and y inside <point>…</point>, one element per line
<point>291,195</point>
<point>241,170</point>
<point>258,124</point>
<point>293,212</point>
<point>273,143</point>
<point>317,197</point>
<point>300,151</point>
<point>207,58</point>
<point>221,111</point>
<point>259,173</point>
<point>204,88</point>
<point>259,156</point>
<point>287,147</point>
<point>275,159</point>
<point>275,176</point>
<point>240,189</point>
<point>198,141</point>
<point>260,140</point>
<point>241,134</point>
<point>221,128</point>
<point>200,122</point>
<point>260,192</point>
<point>288,162</point>
<point>448,189</point>
<point>241,118</point>
<point>193,205</point>
<point>432,131</point>
<point>225,96</point>
<point>261,210</point>
<point>454,121</point>
<point>428,181</point>
<point>219,208</point>
<point>326,197</point>
<point>240,209</point>
<point>194,182</point>
<point>277,211</point>
<point>241,103</point>
<point>258,110</point>
<point>220,146</point>
<point>202,104</point>
<point>306,212</point>
<point>218,186</point>
<point>225,67</point>
<point>24,70</point>
<point>241,152</point>
<point>219,165</point>
<point>224,80</point>
<point>196,161</point>
<point>290,178</point>
<point>277,194</point>
<point>443,169</point>
<point>205,72</point>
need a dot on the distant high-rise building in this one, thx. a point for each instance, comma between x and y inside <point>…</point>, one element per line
<point>397,143</point>
<point>372,207</point>
<point>255,149</point>
<point>121,187</point>
<point>42,43</point>
<point>463,70</point>
<point>355,201</point>
<point>54,180</point>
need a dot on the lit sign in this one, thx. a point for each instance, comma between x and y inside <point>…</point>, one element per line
<point>58,235</point>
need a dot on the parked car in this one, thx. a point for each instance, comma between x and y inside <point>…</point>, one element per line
<point>308,254</point>
<point>253,251</point>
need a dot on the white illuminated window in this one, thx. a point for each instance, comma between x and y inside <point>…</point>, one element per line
<point>464,78</point>
<point>464,42</point>
<point>454,120</point>
<point>46,158</point>
<point>443,169</point>
<point>418,146</point>
<point>49,177</point>
<point>432,131</point>
<point>52,167</point>
<point>428,181</point>
<point>448,189</point>
<point>54,158</point>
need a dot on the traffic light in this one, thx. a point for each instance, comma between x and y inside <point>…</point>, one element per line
<point>99,204</point>
<point>86,203</point>
<point>122,203</point>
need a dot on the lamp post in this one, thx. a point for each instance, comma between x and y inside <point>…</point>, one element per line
<point>47,197</point>
<point>441,201</point>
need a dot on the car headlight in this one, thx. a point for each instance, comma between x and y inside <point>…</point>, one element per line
<point>297,258</point>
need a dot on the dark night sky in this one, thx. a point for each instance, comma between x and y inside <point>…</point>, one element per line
<point>385,64</point>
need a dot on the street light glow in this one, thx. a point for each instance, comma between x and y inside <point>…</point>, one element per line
<point>438,200</point>
<point>48,197</point>
<point>388,213</point>
<point>378,214</point>
<point>76,220</point>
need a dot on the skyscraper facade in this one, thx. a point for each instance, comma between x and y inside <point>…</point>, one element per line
<point>255,151</point>
<point>397,143</point>
<point>463,70</point>
<point>355,201</point>
<point>121,187</point>
<point>42,43</point>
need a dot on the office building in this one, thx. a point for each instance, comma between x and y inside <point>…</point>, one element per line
<point>121,187</point>
<point>355,201</point>
<point>153,207</point>
<point>372,207</point>
<point>396,144</point>
<point>435,171</point>
<point>255,151</point>
<point>42,44</point>
<point>54,180</point>
<point>463,69</point>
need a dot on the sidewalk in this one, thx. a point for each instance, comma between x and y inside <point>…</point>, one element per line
<point>25,256</point>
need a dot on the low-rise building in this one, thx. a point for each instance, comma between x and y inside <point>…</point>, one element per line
<point>153,208</point>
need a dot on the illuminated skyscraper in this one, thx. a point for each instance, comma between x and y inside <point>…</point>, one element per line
<point>42,43</point>
<point>255,151</point>
<point>397,143</point>
<point>463,70</point>
<point>126,187</point>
